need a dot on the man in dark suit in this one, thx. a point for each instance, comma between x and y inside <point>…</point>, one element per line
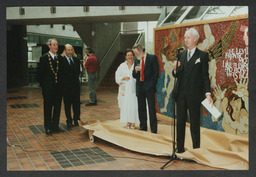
<point>146,72</point>
<point>193,85</point>
<point>49,79</point>
<point>70,70</point>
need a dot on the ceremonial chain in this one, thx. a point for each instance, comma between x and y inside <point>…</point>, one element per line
<point>57,68</point>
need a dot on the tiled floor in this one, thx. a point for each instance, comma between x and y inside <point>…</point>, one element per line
<point>31,149</point>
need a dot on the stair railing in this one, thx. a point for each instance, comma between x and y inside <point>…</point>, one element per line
<point>102,71</point>
<point>115,39</point>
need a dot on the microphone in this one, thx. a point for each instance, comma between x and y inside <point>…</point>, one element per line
<point>182,48</point>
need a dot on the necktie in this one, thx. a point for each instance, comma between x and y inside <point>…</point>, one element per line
<point>142,69</point>
<point>70,61</point>
<point>189,55</point>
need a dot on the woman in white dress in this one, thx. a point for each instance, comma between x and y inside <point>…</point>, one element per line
<point>127,99</point>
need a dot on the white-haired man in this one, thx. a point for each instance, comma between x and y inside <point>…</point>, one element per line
<point>146,72</point>
<point>193,85</point>
<point>49,79</point>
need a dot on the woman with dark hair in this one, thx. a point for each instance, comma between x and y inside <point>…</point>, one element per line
<point>127,99</point>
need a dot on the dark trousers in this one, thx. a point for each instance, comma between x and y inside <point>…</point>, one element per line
<point>72,100</point>
<point>91,83</point>
<point>52,108</point>
<point>184,103</point>
<point>150,96</point>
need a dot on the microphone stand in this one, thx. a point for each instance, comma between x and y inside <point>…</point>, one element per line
<point>175,150</point>
<point>81,77</point>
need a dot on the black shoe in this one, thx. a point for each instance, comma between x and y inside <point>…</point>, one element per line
<point>76,124</point>
<point>90,104</point>
<point>181,150</point>
<point>57,130</point>
<point>48,132</point>
<point>143,129</point>
<point>69,125</point>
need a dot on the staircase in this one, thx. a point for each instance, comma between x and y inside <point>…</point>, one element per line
<point>109,83</point>
<point>111,60</point>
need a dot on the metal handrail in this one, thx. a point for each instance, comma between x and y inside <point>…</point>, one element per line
<point>139,38</point>
<point>113,42</point>
<point>110,48</point>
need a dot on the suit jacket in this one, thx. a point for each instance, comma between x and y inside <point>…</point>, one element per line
<point>197,82</point>
<point>46,77</point>
<point>70,75</point>
<point>151,72</point>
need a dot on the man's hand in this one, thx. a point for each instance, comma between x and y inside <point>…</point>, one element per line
<point>175,64</point>
<point>126,78</point>
<point>137,68</point>
<point>84,64</point>
<point>209,98</point>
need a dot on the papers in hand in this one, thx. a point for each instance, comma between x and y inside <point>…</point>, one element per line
<point>213,110</point>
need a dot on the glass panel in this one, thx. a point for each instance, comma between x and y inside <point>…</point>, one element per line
<point>148,27</point>
<point>169,9</point>
<point>217,12</point>
<point>176,14</point>
<point>240,10</point>
<point>195,13</point>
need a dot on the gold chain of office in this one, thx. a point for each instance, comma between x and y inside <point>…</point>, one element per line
<point>57,67</point>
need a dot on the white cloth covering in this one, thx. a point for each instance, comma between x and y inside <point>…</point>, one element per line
<point>127,99</point>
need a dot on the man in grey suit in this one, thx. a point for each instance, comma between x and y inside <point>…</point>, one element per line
<point>193,85</point>
<point>146,75</point>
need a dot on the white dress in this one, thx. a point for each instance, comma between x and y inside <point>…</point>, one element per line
<point>127,99</point>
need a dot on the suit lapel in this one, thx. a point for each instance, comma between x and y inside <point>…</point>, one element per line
<point>147,62</point>
<point>192,61</point>
<point>183,59</point>
<point>53,63</point>
<point>67,62</point>
<point>50,57</point>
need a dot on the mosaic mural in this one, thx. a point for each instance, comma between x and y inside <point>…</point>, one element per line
<point>227,45</point>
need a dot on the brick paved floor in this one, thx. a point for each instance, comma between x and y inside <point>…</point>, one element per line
<point>71,150</point>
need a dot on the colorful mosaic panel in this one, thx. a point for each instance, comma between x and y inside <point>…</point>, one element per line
<point>227,45</point>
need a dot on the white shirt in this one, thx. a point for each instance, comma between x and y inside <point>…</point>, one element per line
<point>192,52</point>
<point>69,58</point>
<point>52,55</point>
<point>145,56</point>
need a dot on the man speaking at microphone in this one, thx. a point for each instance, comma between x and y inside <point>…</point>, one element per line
<point>192,86</point>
